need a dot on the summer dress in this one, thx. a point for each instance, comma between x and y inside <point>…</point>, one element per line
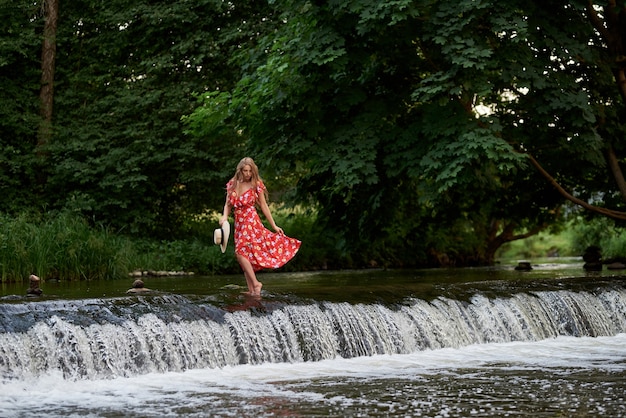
<point>264,248</point>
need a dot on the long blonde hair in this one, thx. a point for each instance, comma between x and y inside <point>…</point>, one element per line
<point>238,177</point>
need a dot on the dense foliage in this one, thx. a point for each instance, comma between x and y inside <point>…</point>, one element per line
<point>125,74</point>
<point>416,131</point>
<point>404,114</point>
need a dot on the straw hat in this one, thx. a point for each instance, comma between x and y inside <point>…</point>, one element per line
<point>221,234</point>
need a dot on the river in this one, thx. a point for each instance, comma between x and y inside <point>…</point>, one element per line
<point>435,343</point>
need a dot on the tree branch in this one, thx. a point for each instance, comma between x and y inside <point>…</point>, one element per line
<point>596,209</point>
<point>537,229</point>
<point>597,22</point>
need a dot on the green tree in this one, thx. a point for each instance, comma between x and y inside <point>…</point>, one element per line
<point>588,128</point>
<point>20,74</point>
<point>127,74</point>
<point>450,103</point>
<point>123,75</point>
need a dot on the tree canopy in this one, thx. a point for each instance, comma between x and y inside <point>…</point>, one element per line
<point>422,131</point>
<point>472,109</point>
<point>125,74</point>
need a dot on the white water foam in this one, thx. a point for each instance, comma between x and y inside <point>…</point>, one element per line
<point>242,390</point>
<point>127,346</point>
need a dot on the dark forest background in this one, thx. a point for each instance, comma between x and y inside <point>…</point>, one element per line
<point>398,133</point>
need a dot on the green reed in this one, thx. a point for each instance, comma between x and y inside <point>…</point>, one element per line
<point>65,246</point>
<point>60,247</point>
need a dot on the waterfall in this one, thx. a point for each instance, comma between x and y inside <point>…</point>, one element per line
<point>107,338</point>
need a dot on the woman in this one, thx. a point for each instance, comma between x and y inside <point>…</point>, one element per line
<point>256,247</point>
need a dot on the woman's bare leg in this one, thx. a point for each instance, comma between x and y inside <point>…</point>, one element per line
<point>254,286</point>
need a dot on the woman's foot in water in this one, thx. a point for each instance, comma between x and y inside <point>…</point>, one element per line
<point>257,289</point>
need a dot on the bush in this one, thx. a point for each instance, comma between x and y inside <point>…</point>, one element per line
<point>603,233</point>
<point>196,256</point>
<point>319,248</point>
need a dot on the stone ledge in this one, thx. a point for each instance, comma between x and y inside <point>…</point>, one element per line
<point>154,273</point>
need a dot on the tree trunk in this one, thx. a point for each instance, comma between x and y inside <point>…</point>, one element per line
<point>612,30</point>
<point>498,236</point>
<point>618,175</point>
<point>48,58</point>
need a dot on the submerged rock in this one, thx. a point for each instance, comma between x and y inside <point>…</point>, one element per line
<point>617,265</point>
<point>592,258</point>
<point>154,273</point>
<point>523,266</point>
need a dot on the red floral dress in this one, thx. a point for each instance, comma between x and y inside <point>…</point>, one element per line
<point>264,248</point>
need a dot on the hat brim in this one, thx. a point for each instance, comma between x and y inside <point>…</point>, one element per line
<point>221,235</point>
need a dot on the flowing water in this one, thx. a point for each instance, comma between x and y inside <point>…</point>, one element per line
<point>463,342</point>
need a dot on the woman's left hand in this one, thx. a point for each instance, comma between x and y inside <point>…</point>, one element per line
<point>279,230</point>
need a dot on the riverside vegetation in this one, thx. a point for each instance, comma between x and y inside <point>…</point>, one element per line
<point>65,246</point>
<point>571,241</point>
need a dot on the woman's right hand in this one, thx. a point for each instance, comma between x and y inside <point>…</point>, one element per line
<point>223,219</point>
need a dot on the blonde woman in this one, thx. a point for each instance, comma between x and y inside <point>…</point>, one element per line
<point>256,247</point>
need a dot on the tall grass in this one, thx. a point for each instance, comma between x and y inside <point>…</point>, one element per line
<point>63,246</point>
<point>66,247</point>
